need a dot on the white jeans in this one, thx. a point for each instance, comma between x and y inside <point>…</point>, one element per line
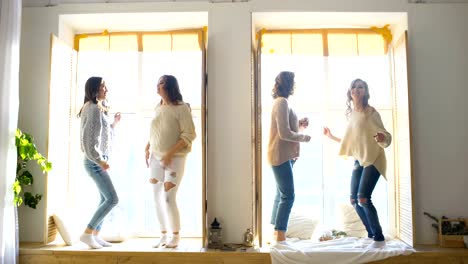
<point>167,211</point>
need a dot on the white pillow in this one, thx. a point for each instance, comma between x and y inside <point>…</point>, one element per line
<point>114,228</point>
<point>68,227</point>
<point>350,221</point>
<point>301,226</point>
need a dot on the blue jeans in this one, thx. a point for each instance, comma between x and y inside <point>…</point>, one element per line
<point>284,198</point>
<point>363,182</point>
<point>107,192</point>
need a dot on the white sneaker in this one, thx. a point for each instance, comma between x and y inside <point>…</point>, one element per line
<point>377,244</point>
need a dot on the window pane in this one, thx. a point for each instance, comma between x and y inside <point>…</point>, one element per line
<point>157,42</point>
<point>307,101</point>
<point>371,45</point>
<point>309,77</point>
<point>123,43</point>
<point>94,43</point>
<point>307,44</point>
<point>342,44</point>
<point>185,42</point>
<point>131,78</point>
<point>322,178</point>
<point>375,70</point>
<point>276,43</point>
<point>185,66</point>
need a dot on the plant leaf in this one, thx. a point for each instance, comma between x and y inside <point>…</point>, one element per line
<point>25,178</point>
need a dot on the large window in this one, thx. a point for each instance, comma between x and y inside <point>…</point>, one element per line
<point>325,62</point>
<point>131,64</point>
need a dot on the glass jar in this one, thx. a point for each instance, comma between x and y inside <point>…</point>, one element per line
<point>248,238</point>
<point>215,235</point>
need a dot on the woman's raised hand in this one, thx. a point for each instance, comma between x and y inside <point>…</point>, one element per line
<point>303,123</point>
<point>327,132</point>
<point>117,117</point>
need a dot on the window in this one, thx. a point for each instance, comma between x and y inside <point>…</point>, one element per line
<point>131,64</point>
<point>325,61</point>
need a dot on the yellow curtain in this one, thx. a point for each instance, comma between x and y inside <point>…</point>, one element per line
<point>325,42</point>
<point>139,41</point>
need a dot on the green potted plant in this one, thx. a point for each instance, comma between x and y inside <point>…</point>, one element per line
<point>27,151</point>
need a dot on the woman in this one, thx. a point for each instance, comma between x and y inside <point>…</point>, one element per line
<point>283,150</point>
<point>96,137</point>
<point>364,140</point>
<point>171,134</point>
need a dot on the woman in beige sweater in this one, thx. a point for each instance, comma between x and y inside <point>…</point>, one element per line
<point>171,135</point>
<point>364,140</point>
<point>283,150</point>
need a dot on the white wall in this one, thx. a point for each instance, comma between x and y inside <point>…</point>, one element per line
<point>438,77</point>
<point>230,178</point>
<point>34,105</point>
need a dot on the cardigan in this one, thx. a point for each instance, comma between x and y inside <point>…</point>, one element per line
<point>284,137</point>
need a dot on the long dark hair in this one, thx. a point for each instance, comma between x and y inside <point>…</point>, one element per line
<point>92,86</point>
<point>284,85</point>
<point>171,86</point>
<point>365,99</point>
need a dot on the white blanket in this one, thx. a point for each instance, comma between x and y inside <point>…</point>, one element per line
<point>337,251</point>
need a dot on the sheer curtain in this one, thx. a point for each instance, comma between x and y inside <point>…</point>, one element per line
<point>10,17</point>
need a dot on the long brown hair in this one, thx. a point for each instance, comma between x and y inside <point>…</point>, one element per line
<point>284,85</point>
<point>92,86</point>
<point>171,86</point>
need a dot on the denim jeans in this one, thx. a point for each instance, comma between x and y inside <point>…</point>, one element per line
<point>107,192</point>
<point>363,182</point>
<point>284,198</point>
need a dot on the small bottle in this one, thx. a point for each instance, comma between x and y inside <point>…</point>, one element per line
<point>248,238</point>
<point>215,238</point>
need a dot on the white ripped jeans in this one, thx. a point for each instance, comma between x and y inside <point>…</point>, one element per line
<point>167,211</point>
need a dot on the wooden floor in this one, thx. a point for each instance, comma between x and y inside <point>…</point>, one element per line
<point>190,251</point>
<point>140,251</point>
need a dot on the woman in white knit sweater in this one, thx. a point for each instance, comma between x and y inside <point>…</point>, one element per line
<point>283,150</point>
<point>364,140</point>
<point>171,134</point>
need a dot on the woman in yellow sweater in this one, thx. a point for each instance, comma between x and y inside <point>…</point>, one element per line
<point>364,140</point>
<point>283,150</point>
<point>171,134</point>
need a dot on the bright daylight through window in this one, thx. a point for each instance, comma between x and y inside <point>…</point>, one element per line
<point>324,71</point>
<point>131,65</point>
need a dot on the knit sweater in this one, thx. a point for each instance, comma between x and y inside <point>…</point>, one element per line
<point>171,123</point>
<point>284,137</point>
<point>359,143</point>
<point>96,133</point>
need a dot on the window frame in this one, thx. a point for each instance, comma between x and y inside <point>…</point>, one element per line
<point>402,209</point>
